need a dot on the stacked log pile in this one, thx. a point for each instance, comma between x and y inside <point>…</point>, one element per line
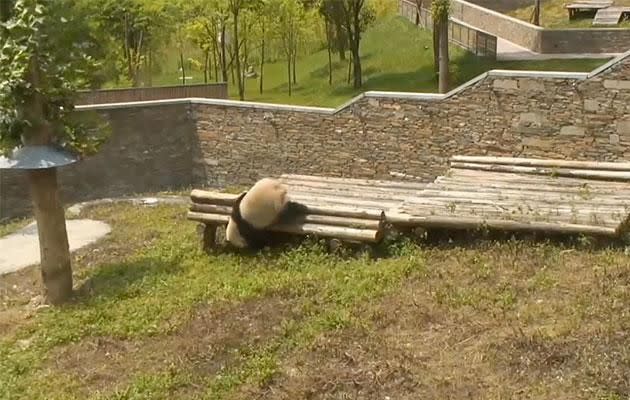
<point>525,194</point>
<point>347,209</point>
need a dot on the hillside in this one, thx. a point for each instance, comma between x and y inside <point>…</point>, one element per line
<point>397,56</point>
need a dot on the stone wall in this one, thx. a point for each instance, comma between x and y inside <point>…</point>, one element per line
<point>151,149</point>
<point>214,143</point>
<point>502,114</point>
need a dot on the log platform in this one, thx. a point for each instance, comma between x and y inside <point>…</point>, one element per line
<point>351,210</point>
<point>520,194</point>
<point>498,193</point>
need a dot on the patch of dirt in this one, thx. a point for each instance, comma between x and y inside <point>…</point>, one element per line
<point>593,362</point>
<point>415,348</point>
<point>203,346</point>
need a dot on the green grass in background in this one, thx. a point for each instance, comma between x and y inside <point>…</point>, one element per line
<point>396,56</point>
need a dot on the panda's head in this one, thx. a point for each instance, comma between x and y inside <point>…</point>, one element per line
<point>233,236</point>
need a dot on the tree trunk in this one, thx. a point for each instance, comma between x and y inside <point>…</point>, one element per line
<point>150,72</point>
<point>53,237</point>
<point>328,45</point>
<point>206,63</point>
<point>181,61</point>
<point>51,224</point>
<point>294,57</point>
<point>356,61</point>
<point>443,80</point>
<point>536,16</point>
<point>224,70</point>
<point>349,75</point>
<point>341,42</point>
<point>289,71</point>
<point>436,46</point>
<point>239,77</point>
<point>262,58</point>
<point>215,62</point>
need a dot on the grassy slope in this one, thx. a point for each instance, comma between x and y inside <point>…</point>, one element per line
<point>396,57</point>
<point>554,15</point>
<point>155,318</point>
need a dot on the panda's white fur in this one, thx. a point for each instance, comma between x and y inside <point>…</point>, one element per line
<point>260,207</point>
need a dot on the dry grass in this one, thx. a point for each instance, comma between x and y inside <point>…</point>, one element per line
<point>155,318</point>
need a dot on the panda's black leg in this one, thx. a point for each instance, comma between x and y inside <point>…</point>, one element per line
<point>292,212</point>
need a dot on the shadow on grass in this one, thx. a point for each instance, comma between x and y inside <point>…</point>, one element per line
<point>125,279</point>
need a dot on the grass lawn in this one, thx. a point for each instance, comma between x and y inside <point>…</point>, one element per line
<point>397,56</point>
<point>554,15</point>
<point>155,318</point>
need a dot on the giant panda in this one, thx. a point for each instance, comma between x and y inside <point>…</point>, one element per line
<point>264,204</point>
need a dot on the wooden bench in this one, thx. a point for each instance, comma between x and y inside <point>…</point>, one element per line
<point>333,211</point>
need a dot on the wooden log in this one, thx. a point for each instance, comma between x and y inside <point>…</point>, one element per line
<point>319,207</point>
<point>514,180</point>
<point>339,232</point>
<point>314,186</point>
<point>212,197</point>
<point>438,206</point>
<point>504,176</point>
<point>308,218</point>
<point>524,198</point>
<point>349,194</point>
<point>548,163</point>
<point>320,199</point>
<point>572,173</point>
<point>587,218</point>
<point>354,181</point>
<point>211,209</point>
<point>540,189</point>
<point>474,223</point>
<point>291,183</point>
<point>206,218</point>
<point>563,217</point>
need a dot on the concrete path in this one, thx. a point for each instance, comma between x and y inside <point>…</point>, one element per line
<point>508,51</point>
<point>21,249</point>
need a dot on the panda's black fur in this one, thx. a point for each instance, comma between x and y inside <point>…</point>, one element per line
<point>256,238</point>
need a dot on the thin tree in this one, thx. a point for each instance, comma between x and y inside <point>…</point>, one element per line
<point>38,78</point>
<point>440,13</point>
<point>536,13</point>
<point>236,7</point>
<point>357,17</point>
<point>288,12</point>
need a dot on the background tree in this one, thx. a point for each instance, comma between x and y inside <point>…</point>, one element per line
<point>265,20</point>
<point>329,25</point>
<point>38,77</point>
<point>236,8</point>
<point>357,17</point>
<point>440,11</point>
<point>536,13</point>
<point>289,13</point>
<point>333,12</point>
